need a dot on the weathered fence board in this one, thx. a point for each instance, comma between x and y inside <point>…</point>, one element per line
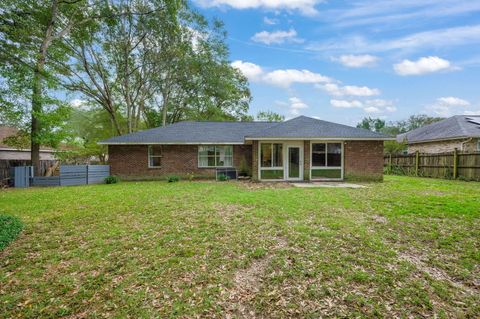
<point>22,176</point>
<point>45,181</point>
<point>442,165</point>
<point>71,175</point>
<point>96,173</point>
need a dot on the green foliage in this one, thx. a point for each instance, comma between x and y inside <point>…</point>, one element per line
<point>270,116</point>
<point>396,128</point>
<point>222,178</point>
<point>372,124</point>
<point>10,228</point>
<point>112,179</point>
<point>173,178</point>
<point>190,176</point>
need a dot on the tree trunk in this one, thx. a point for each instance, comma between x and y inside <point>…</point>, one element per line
<point>37,87</point>
<point>35,125</point>
<point>164,110</point>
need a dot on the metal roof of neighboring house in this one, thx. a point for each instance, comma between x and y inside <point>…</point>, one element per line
<point>455,127</point>
<point>236,132</point>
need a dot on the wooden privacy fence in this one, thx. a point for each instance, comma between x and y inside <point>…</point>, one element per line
<point>454,165</point>
<point>73,175</point>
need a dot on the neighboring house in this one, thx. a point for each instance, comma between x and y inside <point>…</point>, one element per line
<point>461,132</point>
<point>14,154</point>
<point>302,148</point>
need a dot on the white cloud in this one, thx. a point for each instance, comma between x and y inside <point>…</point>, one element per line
<point>421,66</point>
<point>284,78</point>
<point>379,106</point>
<point>351,90</point>
<point>357,61</point>
<point>269,21</point>
<point>368,106</point>
<point>276,37</point>
<point>448,106</point>
<point>440,38</point>
<point>306,7</point>
<point>251,70</point>
<point>296,104</point>
<point>453,101</point>
<point>346,104</point>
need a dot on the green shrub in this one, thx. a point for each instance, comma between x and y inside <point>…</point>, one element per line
<point>223,178</point>
<point>10,227</point>
<point>111,179</point>
<point>191,176</point>
<point>173,179</point>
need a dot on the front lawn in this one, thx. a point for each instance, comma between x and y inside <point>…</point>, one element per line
<point>408,247</point>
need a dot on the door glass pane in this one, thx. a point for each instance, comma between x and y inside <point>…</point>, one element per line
<point>293,162</point>
<point>334,154</point>
<point>277,155</point>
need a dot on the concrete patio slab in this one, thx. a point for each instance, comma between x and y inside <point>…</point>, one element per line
<point>328,185</point>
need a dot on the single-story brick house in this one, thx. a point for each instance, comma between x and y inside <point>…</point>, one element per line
<point>299,149</point>
<point>461,132</point>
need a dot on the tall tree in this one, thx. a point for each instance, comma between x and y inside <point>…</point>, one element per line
<point>31,42</point>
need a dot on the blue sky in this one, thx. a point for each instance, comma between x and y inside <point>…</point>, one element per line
<point>344,60</point>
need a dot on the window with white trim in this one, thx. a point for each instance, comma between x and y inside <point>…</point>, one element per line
<point>215,156</point>
<point>154,156</point>
<point>271,161</point>
<point>326,161</point>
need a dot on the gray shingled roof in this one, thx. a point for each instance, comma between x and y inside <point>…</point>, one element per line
<point>307,127</point>
<point>237,132</point>
<point>455,127</point>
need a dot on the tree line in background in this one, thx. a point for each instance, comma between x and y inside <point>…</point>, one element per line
<point>395,128</point>
<point>128,64</point>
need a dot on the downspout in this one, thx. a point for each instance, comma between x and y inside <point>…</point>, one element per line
<point>465,142</point>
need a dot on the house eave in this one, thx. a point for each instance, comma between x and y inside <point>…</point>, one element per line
<point>170,143</point>
<point>440,139</point>
<point>321,138</point>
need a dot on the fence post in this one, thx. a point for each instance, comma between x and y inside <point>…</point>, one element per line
<point>417,162</point>
<point>455,163</point>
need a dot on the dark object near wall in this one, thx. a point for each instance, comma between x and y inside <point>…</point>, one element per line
<point>231,173</point>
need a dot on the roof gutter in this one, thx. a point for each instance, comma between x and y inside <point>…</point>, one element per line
<point>440,139</point>
<point>321,138</point>
<point>170,143</point>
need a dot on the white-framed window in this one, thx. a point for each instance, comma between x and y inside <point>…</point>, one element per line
<point>271,161</point>
<point>154,156</point>
<point>326,160</point>
<point>215,156</point>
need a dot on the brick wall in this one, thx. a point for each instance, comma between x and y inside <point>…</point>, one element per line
<point>363,160</point>
<point>255,160</point>
<point>306,160</point>
<point>469,145</point>
<point>132,160</point>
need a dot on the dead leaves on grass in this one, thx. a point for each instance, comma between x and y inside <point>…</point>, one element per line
<point>247,283</point>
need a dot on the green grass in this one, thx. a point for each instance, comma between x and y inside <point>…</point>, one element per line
<point>10,227</point>
<point>408,247</point>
